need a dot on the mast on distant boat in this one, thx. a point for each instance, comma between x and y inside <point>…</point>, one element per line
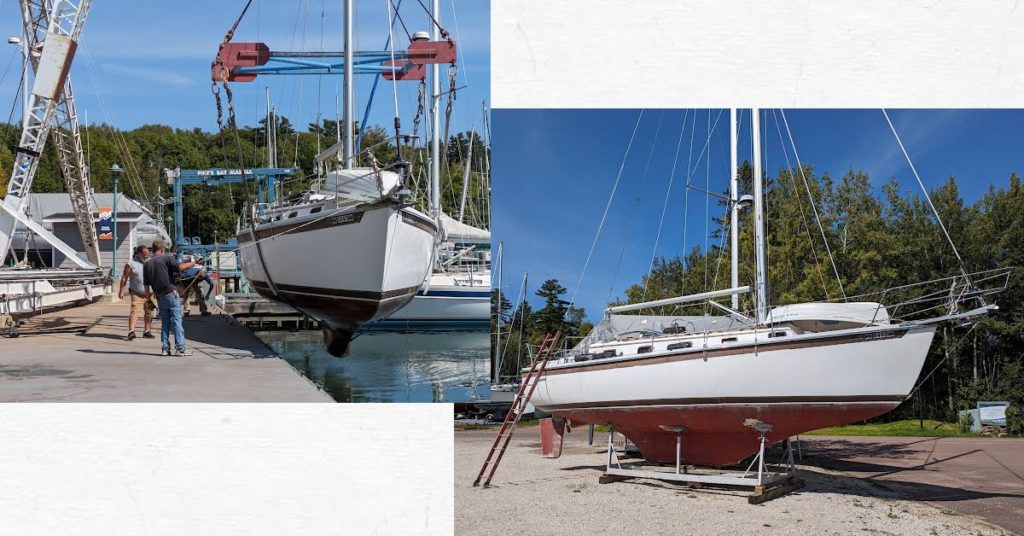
<point>435,118</point>
<point>496,362</point>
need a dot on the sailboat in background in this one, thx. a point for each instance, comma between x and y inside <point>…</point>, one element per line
<point>721,380</point>
<point>457,294</point>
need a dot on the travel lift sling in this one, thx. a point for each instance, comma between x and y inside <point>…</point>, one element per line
<point>51,31</point>
<point>243,62</point>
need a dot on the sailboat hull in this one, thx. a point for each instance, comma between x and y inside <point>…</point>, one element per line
<point>444,306</point>
<point>795,385</point>
<point>345,267</point>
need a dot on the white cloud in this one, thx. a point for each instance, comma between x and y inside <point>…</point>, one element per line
<point>160,76</point>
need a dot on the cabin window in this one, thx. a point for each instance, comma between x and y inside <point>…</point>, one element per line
<point>315,210</point>
<point>293,214</point>
<point>644,349</point>
<point>728,339</point>
<point>605,354</point>
<point>680,345</point>
<point>776,334</point>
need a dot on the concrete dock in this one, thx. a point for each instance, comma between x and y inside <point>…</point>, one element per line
<point>81,355</point>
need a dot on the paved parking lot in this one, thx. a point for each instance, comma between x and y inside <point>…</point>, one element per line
<point>981,477</point>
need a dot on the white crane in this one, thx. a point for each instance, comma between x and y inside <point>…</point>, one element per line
<point>51,30</point>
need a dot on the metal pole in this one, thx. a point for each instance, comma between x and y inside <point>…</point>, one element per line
<point>611,448</point>
<point>679,450</point>
<point>465,176</point>
<point>349,79</point>
<point>734,197</point>
<point>24,77</point>
<point>270,154</point>
<point>496,362</point>
<point>114,269</point>
<point>435,119</point>
<point>759,234</point>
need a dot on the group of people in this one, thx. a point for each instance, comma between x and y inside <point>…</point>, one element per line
<point>153,282</point>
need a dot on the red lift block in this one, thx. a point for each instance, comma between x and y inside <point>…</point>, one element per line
<point>233,55</point>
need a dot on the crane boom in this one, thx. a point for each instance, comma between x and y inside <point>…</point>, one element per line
<point>52,29</point>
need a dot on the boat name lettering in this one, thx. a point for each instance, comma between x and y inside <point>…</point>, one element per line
<point>875,336</point>
<point>342,219</point>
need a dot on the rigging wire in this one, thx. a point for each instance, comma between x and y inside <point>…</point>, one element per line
<point>799,204</point>
<point>636,204</point>
<point>803,175</point>
<point>131,167</point>
<point>458,40</point>
<point>394,79</point>
<point>604,216</point>
<point>7,68</point>
<point>928,198</point>
<point>686,201</point>
<point>939,364</point>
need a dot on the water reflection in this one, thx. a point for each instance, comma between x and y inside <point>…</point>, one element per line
<point>393,367</point>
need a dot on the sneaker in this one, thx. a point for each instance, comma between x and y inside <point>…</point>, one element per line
<point>147,335</point>
<point>184,352</point>
<point>131,335</point>
<point>165,351</point>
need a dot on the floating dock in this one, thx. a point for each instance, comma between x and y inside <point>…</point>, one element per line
<point>81,355</point>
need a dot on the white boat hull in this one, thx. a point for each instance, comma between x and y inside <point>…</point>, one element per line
<point>796,385</point>
<point>444,306</point>
<point>343,267</point>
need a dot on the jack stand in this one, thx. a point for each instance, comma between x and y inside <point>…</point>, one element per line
<point>767,482</point>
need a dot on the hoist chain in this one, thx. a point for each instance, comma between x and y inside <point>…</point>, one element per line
<point>452,72</point>
<point>231,105</point>
<point>215,89</point>
<point>421,99</point>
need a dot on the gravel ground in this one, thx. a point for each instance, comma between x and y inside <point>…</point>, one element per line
<point>533,495</point>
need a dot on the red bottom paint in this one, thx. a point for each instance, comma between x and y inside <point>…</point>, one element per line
<point>551,433</point>
<point>715,434</point>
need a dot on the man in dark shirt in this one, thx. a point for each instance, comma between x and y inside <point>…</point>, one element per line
<point>158,276</point>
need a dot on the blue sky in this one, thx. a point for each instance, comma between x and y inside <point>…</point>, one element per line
<point>553,171</point>
<point>150,60</point>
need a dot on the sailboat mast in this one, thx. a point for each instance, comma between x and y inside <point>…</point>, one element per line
<point>349,79</point>
<point>761,285</point>
<point>496,362</point>
<point>270,144</point>
<point>734,198</point>
<point>435,118</point>
<point>465,176</point>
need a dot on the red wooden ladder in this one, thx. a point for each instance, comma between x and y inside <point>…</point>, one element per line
<point>515,413</point>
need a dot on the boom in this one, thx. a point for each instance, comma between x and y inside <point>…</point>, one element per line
<point>52,29</point>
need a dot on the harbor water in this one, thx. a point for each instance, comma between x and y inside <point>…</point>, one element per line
<point>393,367</point>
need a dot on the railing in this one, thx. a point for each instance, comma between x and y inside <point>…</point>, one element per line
<point>945,296</point>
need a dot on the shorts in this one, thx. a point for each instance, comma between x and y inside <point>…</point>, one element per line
<point>142,307</point>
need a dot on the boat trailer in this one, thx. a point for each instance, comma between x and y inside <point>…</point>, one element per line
<point>767,481</point>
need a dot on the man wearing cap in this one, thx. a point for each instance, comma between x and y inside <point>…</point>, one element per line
<point>158,276</point>
<point>141,306</point>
